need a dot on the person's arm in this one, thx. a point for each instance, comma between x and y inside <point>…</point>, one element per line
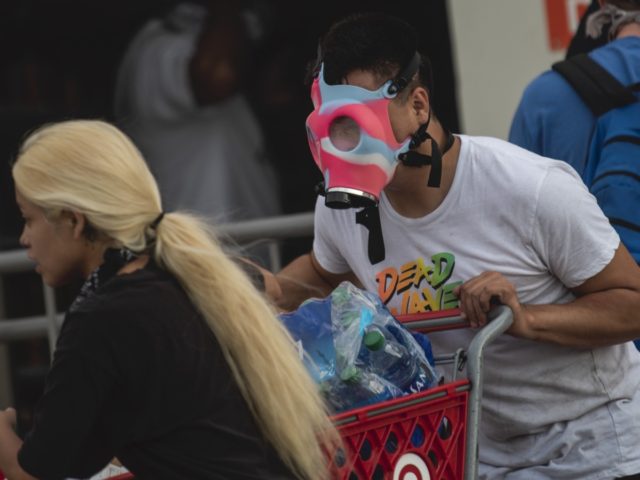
<point>304,278</point>
<point>526,129</point>
<point>605,312</point>
<point>261,278</point>
<point>10,444</point>
<point>572,238</point>
<point>62,442</point>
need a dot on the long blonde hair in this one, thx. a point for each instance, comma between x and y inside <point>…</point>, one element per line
<point>91,167</point>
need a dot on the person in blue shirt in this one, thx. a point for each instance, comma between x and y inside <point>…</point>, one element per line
<point>552,120</point>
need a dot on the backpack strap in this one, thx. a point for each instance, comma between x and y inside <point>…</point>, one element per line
<point>599,90</point>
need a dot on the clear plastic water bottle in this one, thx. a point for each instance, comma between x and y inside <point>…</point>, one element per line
<point>356,388</point>
<point>392,361</point>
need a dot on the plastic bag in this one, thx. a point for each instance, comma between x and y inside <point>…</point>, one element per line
<point>358,315</point>
<point>330,332</point>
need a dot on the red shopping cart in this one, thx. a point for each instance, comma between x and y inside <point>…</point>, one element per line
<point>431,435</point>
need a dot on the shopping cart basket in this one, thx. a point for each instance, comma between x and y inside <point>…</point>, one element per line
<point>431,435</point>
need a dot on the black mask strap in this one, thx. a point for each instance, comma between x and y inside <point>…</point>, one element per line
<point>369,217</point>
<point>415,159</point>
<point>404,77</point>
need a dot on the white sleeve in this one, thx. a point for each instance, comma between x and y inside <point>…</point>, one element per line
<point>570,233</point>
<point>326,233</point>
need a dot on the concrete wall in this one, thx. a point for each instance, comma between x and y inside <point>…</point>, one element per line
<point>499,47</point>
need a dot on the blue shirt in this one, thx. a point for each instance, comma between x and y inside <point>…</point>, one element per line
<point>553,121</point>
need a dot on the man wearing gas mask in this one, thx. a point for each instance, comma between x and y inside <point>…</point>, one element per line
<point>431,221</point>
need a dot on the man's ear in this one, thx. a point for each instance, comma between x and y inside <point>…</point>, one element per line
<point>420,104</point>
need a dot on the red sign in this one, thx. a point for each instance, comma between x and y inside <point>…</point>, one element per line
<point>563,18</point>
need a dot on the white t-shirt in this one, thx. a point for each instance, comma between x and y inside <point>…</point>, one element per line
<point>207,159</point>
<point>533,220</point>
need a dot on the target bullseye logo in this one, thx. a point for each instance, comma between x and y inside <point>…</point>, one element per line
<point>411,467</point>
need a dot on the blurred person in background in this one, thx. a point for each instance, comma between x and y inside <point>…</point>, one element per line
<point>169,359</point>
<point>179,95</point>
<point>554,120</point>
<point>551,118</point>
<point>581,42</point>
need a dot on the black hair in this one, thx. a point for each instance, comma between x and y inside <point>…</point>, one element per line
<point>630,5</point>
<point>374,42</point>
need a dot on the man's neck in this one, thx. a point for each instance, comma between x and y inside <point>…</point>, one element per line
<point>408,192</point>
<point>629,30</point>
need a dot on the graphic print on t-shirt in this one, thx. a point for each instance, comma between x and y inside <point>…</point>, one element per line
<point>419,285</point>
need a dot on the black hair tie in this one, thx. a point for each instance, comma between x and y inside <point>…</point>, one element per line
<point>158,219</point>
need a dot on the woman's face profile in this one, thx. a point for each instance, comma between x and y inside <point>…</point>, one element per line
<point>51,244</point>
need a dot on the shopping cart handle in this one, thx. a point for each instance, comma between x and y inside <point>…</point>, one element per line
<point>427,322</point>
<point>500,319</point>
<point>449,319</point>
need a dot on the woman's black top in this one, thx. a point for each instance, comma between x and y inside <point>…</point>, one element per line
<point>138,375</point>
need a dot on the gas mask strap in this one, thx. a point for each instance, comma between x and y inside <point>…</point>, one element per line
<point>404,77</point>
<point>412,158</point>
<point>369,217</point>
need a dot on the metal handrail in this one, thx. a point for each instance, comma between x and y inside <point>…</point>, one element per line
<point>27,327</point>
<point>294,225</point>
<point>16,261</point>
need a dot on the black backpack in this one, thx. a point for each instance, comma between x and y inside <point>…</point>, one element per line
<point>612,169</point>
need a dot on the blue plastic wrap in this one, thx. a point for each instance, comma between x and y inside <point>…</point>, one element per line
<point>330,332</point>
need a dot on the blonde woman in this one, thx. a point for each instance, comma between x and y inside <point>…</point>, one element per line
<point>169,359</point>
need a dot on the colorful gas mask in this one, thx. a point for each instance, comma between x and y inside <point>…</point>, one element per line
<point>351,138</point>
<point>353,144</point>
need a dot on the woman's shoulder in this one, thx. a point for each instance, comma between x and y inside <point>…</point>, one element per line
<point>138,299</point>
<point>139,289</point>
<point>135,315</point>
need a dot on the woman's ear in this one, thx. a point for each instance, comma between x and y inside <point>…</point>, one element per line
<point>78,223</point>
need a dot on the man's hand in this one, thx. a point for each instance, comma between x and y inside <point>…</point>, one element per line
<point>480,294</point>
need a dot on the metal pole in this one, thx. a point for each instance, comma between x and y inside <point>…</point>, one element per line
<point>500,320</point>
<point>281,227</point>
<point>275,259</point>
<point>6,391</point>
<point>51,315</point>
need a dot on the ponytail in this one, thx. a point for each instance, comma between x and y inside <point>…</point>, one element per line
<point>262,356</point>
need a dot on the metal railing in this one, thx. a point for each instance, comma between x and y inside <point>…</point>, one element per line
<point>270,230</point>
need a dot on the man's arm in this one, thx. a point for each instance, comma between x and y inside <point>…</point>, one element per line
<point>261,278</point>
<point>605,312</point>
<point>304,278</point>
